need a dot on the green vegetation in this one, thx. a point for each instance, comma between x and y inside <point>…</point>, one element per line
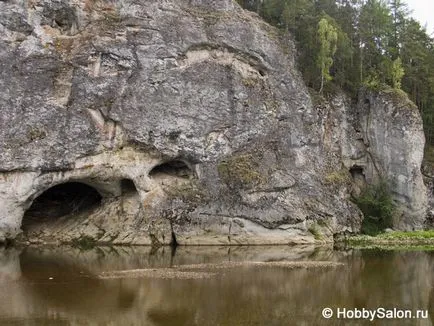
<point>340,177</point>
<point>328,38</point>
<point>354,43</point>
<point>397,73</point>
<point>377,206</point>
<point>315,232</point>
<point>401,235</point>
<point>240,172</point>
<point>415,240</point>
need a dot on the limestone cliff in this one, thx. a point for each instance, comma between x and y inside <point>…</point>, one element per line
<point>181,121</point>
<point>381,138</point>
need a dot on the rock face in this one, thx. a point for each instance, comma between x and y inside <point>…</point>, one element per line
<point>394,142</point>
<point>381,138</point>
<point>190,121</point>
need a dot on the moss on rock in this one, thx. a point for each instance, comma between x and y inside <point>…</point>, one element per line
<point>240,172</point>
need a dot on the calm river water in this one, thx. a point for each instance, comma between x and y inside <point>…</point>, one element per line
<point>62,286</point>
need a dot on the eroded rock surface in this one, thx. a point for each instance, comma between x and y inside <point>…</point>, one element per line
<point>189,118</point>
<point>380,138</point>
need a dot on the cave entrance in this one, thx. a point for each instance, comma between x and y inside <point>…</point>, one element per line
<point>175,168</point>
<point>59,201</point>
<point>358,174</point>
<point>359,180</point>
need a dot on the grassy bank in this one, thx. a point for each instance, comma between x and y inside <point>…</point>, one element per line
<point>423,240</point>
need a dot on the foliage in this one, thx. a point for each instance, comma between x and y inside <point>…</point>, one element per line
<point>382,243</point>
<point>377,44</point>
<point>373,83</point>
<point>415,240</point>
<point>314,230</point>
<point>377,206</point>
<point>328,37</point>
<point>397,73</point>
<point>429,234</point>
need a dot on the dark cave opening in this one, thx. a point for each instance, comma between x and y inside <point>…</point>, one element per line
<point>128,186</point>
<point>175,168</point>
<point>61,200</point>
<point>359,180</point>
<point>357,173</point>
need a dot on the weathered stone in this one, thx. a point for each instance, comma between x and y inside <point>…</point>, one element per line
<point>381,138</point>
<point>394,132</point>
<point>191,121</point>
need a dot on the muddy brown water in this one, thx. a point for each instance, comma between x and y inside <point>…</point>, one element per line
<point>63,286</point>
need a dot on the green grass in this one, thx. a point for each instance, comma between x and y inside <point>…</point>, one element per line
<point>400,247</point>
<point>401,235</point>
<point>414,240</point>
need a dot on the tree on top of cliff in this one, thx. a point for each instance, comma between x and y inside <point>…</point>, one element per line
<point>328,37</point>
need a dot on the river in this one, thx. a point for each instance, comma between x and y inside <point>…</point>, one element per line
<point>211,286</point>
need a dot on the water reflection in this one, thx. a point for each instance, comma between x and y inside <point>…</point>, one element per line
<point>59,286</point>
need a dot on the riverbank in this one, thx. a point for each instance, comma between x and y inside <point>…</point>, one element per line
<point>393,240</point>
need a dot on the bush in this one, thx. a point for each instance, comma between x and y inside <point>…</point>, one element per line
<point>378,208</point>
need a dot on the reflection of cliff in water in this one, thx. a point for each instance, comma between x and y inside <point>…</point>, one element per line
<point>62,283</point>
<point>238,296</point>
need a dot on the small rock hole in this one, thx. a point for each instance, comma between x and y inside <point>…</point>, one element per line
<point>357,173</point>
<point>128,186</point>
<point>175,168</point>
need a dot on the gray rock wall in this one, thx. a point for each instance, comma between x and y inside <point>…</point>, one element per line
<point>380,138</point>
<point>395,143</point>
<point>198,103</point>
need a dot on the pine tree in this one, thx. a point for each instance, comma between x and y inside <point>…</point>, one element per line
<point>399,12</point>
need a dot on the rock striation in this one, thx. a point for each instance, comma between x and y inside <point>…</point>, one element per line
<point>191,124</point>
